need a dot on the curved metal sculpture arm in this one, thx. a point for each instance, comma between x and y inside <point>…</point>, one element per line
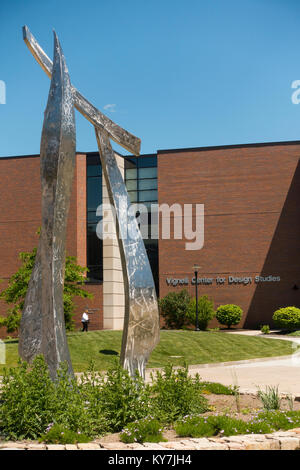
<point>141,321</point>
<point>92,114</point>
<point>42,324</point>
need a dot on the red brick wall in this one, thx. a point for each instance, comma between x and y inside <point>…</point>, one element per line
<point>252,223</point>
<point>20,217</point>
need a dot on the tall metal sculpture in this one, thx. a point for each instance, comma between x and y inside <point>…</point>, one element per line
<point>43,309</point>
<point>141,321</point>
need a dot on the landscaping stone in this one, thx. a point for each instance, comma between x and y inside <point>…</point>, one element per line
<point>153,446</point>
<point>36,446</point>
<point>88,446</point>
<point>55,447</point>
<point>289,443</point>
<point>71,447</point>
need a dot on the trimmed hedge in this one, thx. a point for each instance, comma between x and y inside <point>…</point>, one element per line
<point>229,314</point>
<point>287,318</point>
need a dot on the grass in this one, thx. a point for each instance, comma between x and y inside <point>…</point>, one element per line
<point>175,346</point>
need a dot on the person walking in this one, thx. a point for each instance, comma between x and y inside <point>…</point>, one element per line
<point>85,321</point>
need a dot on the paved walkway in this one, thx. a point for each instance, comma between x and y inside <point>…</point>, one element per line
<point>249,375</point>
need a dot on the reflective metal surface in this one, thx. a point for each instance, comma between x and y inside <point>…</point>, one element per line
<point>92,114</point>
<point>42,325</point>
<point>44,333</point>
<point>141,322</point>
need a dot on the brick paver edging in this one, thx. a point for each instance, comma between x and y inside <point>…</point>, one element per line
<point>281,440</point>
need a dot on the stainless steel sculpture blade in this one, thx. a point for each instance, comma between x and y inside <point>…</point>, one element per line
<point>141,322</point>
<point>42,325</point>
<point>92,114</point>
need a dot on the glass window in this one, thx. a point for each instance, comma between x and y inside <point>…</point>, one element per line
<point>131,185</point>
<point>94,193</point>
<point>148,195</point>
<point>147,161</point>
<point>148,184</point>
<point>147,172</point>
<point>131,174</point>
<point>133,196</point>
<point>94,170</point>
<point>94,254</point>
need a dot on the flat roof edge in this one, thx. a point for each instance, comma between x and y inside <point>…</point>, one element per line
<point>229,146</point>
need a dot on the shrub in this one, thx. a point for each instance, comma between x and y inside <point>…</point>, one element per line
<point>122,398</point>
<point>175,394</point>
<point>198,426</point>
<point>270,398</point>
<point>174,307</point>
<point>229,314</point>
<point>216,388</point>
<point>30,401</point>
<point>206,312</point>
<point>57,434</point>
<point>265,329</point>
<point>145,430</point>
<point>287,318</point>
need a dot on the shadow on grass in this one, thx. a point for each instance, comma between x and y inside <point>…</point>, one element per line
<point>109,352</point>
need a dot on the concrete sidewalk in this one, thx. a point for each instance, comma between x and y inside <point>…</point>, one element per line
<point>284,371</point>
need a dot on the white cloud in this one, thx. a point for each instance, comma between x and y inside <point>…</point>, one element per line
<point>110,107</point>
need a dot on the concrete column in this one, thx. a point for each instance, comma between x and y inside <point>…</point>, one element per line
<point>113,286</point>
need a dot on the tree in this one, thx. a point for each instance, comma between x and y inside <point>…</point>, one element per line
<point>229,314</point>
<point>17,287</point>
<point>206,311</point>
<point>174,308</point>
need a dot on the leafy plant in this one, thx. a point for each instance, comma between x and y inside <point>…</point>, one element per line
<point>213,425</point>
<point>287,318</point>
<point>30,401</point>
<point>174,307</point>
<point>229,314</point>
<point>58,434</point>
<point>175,393</point>
<point>216,388</point>
<point>122,398</point>
<point>265,329</point>
<point>15,292</point>
<point>270,398</point>
<point>145,430</point>
<point>206,311</point>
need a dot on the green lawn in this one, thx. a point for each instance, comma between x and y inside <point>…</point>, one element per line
<point>103,347</point>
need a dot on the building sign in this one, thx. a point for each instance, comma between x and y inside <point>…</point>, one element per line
<point>229,280</point>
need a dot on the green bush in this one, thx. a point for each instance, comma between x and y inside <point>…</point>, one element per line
<point>57,434</point>
<point>270,398</point>
<point>174,307</point>
<point>122,398</point>
<point>265,329</point>
<point>229,314</point>
<point>175,394</point>
<point>216,388</point>
<point>145,430</point>
<point>30,401</point>
<point>213,425</point>
<point>287,318</point>
<point>206,312</point>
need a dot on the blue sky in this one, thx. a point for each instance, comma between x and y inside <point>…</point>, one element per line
<point>179,73</point>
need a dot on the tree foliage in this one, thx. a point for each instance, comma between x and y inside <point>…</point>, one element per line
<point>174,307</point>
<point>15,292</point>
<point>206,311</point>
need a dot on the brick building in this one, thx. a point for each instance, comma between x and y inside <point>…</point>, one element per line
<point>250,255</point>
